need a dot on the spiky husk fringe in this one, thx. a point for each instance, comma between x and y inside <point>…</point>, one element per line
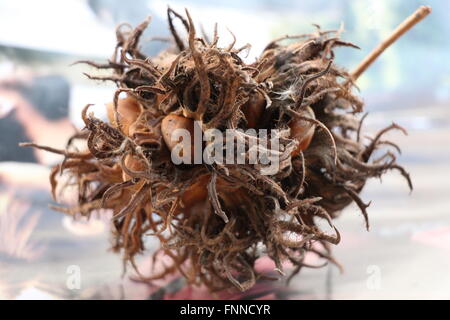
<point>216,241</point>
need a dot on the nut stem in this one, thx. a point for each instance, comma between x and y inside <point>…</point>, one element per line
<point>410,22</point>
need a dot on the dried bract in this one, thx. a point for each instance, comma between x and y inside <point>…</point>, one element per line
<point>215,220</point>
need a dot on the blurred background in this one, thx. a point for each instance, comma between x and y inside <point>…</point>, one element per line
<point>44,255</point>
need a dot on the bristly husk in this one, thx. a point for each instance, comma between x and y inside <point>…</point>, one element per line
<point>214,238</point>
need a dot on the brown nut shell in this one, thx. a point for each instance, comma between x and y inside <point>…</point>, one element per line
<point>253,109</point>
<point>129,110</point>
<point>173,122</point>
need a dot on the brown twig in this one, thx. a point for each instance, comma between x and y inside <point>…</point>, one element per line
<point>410,22</point>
